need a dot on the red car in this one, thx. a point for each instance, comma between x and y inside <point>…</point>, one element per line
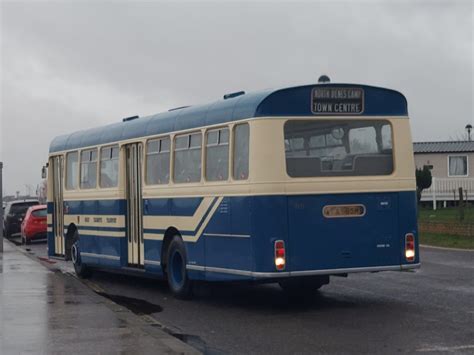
<point>34,226</point>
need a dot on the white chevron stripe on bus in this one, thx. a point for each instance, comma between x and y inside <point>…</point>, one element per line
<point>183,223</point>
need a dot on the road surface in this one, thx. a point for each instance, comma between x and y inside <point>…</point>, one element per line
<point>427,311</point>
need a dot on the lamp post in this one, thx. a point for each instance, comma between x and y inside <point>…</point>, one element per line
<point>468,129</point>
<point>1,210</point>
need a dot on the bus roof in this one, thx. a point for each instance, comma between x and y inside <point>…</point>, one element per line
<point>292,101</point>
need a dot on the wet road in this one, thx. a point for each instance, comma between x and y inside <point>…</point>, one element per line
<point>427,311</point>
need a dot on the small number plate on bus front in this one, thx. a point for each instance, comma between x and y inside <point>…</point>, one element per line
<point>335,211</point>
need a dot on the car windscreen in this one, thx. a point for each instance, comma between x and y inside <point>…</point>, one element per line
<point>19,208</point>
<point>316,148</point>
<point>39,213</point>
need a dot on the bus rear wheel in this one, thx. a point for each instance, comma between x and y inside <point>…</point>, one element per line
<point>303,285</point>
<point>178,280</point>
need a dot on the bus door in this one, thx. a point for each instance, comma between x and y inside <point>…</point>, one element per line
<point>58,204</point>
<point>134,159</point>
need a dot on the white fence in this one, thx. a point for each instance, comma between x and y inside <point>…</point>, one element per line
<point>447,189</point>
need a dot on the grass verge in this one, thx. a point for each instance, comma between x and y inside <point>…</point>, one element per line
<point>450,214</point>
<point>447,241</point>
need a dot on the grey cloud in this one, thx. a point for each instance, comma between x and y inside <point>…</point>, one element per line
<point>67,66</point>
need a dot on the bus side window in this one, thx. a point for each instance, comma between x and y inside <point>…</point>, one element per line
<point>187,158</point>
<point>109,166</point>
<point>72,166</point>
<point>241,152</point>
<point>158,161</point>
<point>88,169</point>
<point>217,154</point>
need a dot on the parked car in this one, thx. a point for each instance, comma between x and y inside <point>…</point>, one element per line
<point>15,212</point>
<point>34,225</point>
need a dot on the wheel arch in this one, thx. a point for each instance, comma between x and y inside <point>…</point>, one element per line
<point>168,236</point>
<point>71,230</point>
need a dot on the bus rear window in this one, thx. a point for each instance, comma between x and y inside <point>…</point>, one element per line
<point>338,148</point>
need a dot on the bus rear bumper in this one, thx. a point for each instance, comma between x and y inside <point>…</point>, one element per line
<point>284,274</point>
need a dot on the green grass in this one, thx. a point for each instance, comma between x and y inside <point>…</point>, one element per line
<point>447,241</point>
<point>450,214</point>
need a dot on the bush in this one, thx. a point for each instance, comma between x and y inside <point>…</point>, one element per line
<point>423,180</point>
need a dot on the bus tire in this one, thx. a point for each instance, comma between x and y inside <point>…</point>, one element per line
<point>81,269</point>
<point>178,280</point>
<point>303,285</point>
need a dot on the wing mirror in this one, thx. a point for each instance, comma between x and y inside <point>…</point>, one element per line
<point>44,172</point>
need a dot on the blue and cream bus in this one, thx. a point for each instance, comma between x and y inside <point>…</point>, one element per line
<point>290,185</point>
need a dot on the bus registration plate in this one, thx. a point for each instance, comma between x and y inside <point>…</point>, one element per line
<point>338,211</point>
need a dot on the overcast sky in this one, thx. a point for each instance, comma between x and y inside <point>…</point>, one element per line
<point>67,66</point>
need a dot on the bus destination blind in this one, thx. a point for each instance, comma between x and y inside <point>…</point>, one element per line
<point>337,101</point>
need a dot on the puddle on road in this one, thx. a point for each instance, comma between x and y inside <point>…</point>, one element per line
<point>193,340</point>
<point>141,307</point>
<point>137,306</point>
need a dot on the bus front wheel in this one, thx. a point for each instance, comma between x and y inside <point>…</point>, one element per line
<point>81,270</point>
<point>178,280</point>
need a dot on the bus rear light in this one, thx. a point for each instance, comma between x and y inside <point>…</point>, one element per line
<point>280,258</point>
<point>410,247</point>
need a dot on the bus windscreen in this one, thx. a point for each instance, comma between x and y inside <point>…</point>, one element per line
<point>338,148</point>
